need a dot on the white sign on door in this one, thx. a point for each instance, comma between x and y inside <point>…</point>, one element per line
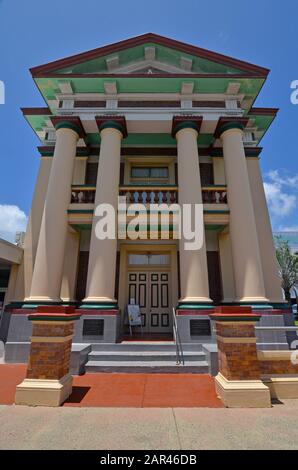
<point>134,315</point>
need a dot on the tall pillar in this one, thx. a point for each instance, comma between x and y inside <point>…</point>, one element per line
<point>272,280</point>
<point>248,274</point>
<point>102,257</point>
<point>70,268</point>
<point>48,267</point>
<point>25,272</point>
<point>226,266</point>
<point>193,264</point>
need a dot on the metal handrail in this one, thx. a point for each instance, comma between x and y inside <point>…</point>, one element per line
<point>179,349</point>
<point>277,328</point>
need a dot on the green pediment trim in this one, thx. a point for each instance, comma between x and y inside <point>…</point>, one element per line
<point>49,87</point>
<point>165,55</point>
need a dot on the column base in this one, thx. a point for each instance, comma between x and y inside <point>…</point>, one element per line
<point>242,393</point>
<point>282,387</point>
<point>195,304</point>
<point>99,304</point>
<point>255,300</point>
<point>42,301</point>
<point>254,304</point>
<point>42,392</point>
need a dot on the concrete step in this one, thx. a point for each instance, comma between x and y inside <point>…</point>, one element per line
<point>144,356</point>
<point>145,346</point>
<point>163,367</point>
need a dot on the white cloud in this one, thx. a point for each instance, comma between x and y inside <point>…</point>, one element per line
<point>281,202</point>
<point>289,228</point>
<point>282,178</point>
<point>12,220</point>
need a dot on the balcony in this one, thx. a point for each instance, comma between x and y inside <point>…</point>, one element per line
<point>216,210</point>
<point>82,195</point>
<point>149,195</point>
<point>215,195</point>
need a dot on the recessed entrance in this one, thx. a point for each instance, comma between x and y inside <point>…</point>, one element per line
<point>148,274</point>
<point>150,289</point>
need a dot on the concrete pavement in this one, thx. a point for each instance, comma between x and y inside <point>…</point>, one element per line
<point>144,428</point>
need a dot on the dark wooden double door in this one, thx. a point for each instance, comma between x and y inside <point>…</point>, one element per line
<point>151,291</point>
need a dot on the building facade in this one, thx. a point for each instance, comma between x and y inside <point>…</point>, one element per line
<point>155,121</point>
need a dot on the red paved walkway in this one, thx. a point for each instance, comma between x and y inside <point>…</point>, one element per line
<point>125,390</point>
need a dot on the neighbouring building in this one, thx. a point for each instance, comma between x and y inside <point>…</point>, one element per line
<point>153,120</point>
<point>10,259</point>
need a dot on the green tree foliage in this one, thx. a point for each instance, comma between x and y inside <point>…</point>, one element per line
<point>288,266</point>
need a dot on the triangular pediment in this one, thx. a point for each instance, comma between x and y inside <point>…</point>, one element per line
<point>149,54</point>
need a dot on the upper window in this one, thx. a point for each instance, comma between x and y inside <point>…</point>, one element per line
<point>150,258</point>
<point>142,172</point>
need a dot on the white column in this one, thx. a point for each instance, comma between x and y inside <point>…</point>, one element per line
<point>226,266</point>
<point>193,264</point>
<point>272,280</point>
<point>102,257</point>
<point>25,272</point>
<point>70,268</point>
<point>48,267</point>
<point>249,284</point>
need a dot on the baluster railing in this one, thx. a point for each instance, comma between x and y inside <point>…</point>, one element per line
<point>152,195</point>
<point>214,196</point>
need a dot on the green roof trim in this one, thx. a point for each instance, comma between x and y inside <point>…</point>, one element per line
<point>163,54</point>
<point>49,87</point>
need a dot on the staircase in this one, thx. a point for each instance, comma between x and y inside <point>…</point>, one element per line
<point>146,357</point>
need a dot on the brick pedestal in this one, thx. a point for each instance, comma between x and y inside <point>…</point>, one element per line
<point>279,371</point>
<point>48,382</point>
<point>238,383</point>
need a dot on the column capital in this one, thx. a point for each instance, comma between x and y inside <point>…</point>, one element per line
<point>112,122</point>
<point>226,123</point>
<point>186,122</point>
<point>69,122</point>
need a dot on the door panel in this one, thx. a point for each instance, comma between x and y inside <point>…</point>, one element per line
<point>151,292</point>
<point>159,305</point>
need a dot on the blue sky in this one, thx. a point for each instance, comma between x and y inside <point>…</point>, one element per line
<point>32,32</point>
